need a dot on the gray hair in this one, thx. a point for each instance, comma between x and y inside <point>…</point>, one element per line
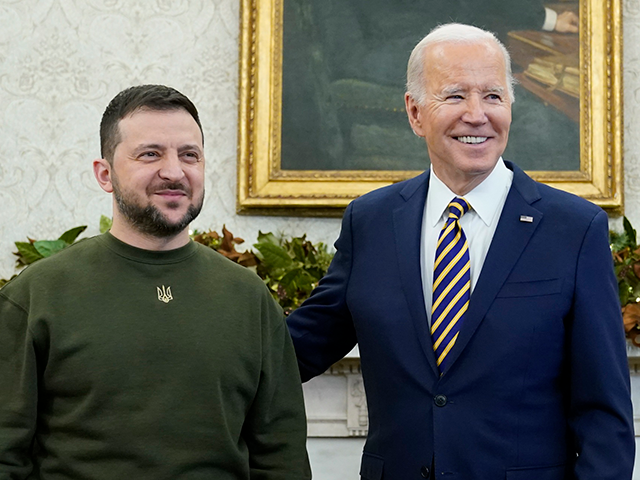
<point>456,33</point>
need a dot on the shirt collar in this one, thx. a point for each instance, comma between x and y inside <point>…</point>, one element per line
<point>485,199</point>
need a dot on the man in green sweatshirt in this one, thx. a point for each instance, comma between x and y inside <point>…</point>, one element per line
<point>139,354</point>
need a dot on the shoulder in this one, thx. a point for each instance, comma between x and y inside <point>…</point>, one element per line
<point>48,274</point>
<point>391,195</point>
<point>65,259</point>
<point>240,286</point>
<point>228,270</point>
<point>569,204</point>
<point>553,202</point>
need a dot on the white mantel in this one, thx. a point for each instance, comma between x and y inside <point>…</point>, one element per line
<point>335,401</point>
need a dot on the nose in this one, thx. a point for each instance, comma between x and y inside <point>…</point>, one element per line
<point>475,113</point>
<point>171,167</point>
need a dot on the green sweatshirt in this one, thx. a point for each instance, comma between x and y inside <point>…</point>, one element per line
<point>122,363</point>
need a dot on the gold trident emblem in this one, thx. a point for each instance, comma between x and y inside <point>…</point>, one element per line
<point>164,294</point>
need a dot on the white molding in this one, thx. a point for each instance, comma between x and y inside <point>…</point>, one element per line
<point>336,403</point>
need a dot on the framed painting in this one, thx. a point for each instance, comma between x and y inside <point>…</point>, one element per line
<point>322,116</point>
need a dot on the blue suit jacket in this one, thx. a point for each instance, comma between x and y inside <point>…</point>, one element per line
<point>538,386</point>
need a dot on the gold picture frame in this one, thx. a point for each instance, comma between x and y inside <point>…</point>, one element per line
<point>266,188</point>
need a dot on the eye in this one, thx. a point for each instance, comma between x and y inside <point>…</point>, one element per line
<point>494,97</point>
<point>454,97</point>
<point>149,155</point>
<point>190,157</point>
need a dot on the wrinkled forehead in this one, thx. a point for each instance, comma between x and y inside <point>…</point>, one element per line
<point>155,119</point>
<point>456,52</point>
<point>453,62</point>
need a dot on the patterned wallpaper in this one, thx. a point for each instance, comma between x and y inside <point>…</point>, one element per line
<point>631,77</point>
<point>61,61</point>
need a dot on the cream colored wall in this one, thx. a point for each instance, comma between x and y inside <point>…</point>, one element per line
<point>631,65</point>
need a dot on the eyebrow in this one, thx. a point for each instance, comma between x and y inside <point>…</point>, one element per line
<point>456,89</point>
<point>495,89</point>
<point>157,146</point>
<point>149,146</point>
<point>452,90</point>
<point>188,147</point>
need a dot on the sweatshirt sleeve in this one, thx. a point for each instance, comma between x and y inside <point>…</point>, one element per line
<point>275,428</point>
<point>18,391</point>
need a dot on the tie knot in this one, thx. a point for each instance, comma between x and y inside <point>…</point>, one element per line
<point>458,207</point>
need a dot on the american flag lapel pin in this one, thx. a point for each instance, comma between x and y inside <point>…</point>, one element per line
<point>526,219</point>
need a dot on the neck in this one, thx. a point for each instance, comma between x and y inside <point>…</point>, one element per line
<point>460,184</point>
<point>144,241</point>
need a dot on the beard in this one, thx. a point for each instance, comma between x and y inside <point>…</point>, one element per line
<point>148,219</point>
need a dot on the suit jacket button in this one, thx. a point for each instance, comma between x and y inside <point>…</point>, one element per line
<point>440,400</point>
<point>424,472</point>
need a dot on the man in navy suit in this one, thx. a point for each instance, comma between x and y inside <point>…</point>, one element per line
<point>529,380</point>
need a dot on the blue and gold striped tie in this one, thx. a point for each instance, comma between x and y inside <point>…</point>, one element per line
<point>451,283</point>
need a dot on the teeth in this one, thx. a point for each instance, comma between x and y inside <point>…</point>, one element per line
<point>472,139</point>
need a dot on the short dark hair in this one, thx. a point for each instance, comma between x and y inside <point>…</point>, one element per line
<point>141,97</point>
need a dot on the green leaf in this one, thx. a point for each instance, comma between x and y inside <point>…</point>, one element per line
<point>623,293</point>
<point>28,252</point>
<point>298,249</point>
<point>274,256</point>
<point>46,248</point>
<point>297,280</point>
<point>292,278</point>
<point>631,233</point>
<point>70,236</point>
<point>105,224</point>
<point>618,241</point>
<point>267,238</point>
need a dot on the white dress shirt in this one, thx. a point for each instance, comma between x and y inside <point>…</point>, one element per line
<point>479,224</point>
<point>550,19</point>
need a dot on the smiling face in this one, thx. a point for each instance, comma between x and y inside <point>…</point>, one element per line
<point>466,114</point>
<point>157,175</point>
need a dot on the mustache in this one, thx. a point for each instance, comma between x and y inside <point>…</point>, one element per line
<point>170,186</point>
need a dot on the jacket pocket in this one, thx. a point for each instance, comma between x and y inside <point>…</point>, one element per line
<point>531,289</point>
<point>555,472</point>
<point>371,467</point>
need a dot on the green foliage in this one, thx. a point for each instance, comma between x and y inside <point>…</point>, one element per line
<point>26,253</point>
<point>225,245</point>
<point>626,263</point>
<point>34,250</point>
<point>105,224</point>
<point>626,260</point>
<point>291,268</point>
<point>209,239</point>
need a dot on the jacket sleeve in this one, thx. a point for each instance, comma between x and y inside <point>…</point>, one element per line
<point>18,392</point>
<point>275,428</point>
<point>322,328</point>
<point>600,409</point>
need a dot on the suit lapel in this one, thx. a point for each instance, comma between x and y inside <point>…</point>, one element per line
<point>509,241</point>
<point>407,225</point>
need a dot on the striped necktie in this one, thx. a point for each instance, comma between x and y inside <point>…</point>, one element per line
<point>451,283</point>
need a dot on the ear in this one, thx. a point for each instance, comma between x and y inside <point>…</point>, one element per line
<point>102,172</point>
<point>413,112</point>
